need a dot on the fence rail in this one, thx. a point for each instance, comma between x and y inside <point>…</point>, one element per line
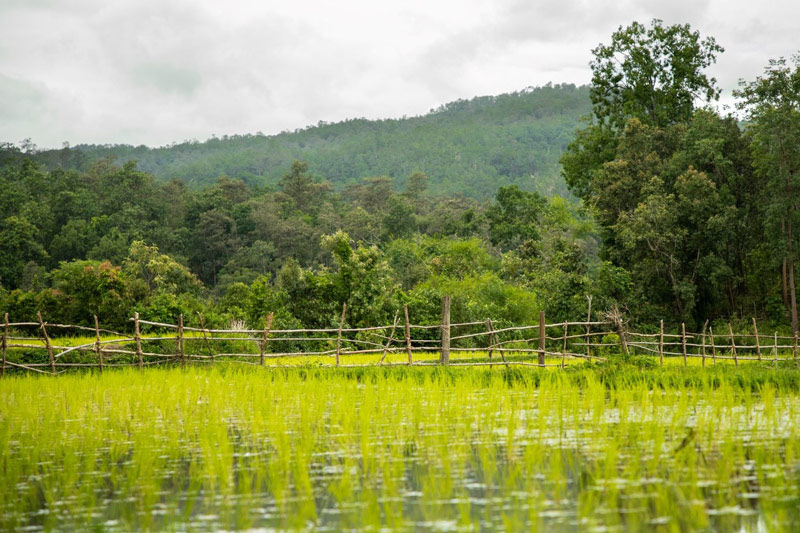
<point>28,346</point>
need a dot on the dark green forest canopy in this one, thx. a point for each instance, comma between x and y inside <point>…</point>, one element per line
<point>468,147</point>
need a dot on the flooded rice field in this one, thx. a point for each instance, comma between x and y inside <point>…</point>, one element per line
<point>465,450</point>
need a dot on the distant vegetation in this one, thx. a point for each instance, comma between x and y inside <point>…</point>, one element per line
<point>678,211</point>
<point>467,147</point>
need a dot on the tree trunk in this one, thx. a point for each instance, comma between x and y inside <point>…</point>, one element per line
<point>790,266</point>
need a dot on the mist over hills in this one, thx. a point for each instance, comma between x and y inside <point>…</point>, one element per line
<point>467,147</point>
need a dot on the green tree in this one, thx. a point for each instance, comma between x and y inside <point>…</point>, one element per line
<point>772,104</point>
<point>514,218</point>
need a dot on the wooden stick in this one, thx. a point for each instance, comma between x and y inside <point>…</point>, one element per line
<point>705,325</point>
<point>713,345</point>
<point>137,336</point>
<point>407,334</point>
<point>564,348</point>
<point>494,341</point>
<point>205,336</point>
<point>263,345</point>
<point>775,354</point>
<point>47,343</point>
<point>541,337</point>
<point>445,355</point>
<point>758,344</point>
<point>390,339</point>
<point>179,340</point>
<point>794,351</point>
<point>588,319</point>
<point>491,339</point>
<point>621,333</point>
<point>339,335</point>
<point>97,349</point>
<point>661,344</point>
<point>4,343</point>
<point>683,341</point>
<point>733,345</point>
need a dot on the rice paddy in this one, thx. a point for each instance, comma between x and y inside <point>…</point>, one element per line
<point>592,447</point>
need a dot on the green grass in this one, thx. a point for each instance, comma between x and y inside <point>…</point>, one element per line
<point>228,447</point>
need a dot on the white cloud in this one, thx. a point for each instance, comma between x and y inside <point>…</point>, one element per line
<point>156,71</point>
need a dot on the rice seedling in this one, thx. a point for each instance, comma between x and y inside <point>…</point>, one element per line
<point>405,448</point>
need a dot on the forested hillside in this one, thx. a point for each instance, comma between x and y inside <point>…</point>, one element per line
<point>468,147</point>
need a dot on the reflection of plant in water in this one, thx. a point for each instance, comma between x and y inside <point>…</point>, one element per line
<point>402,448</point>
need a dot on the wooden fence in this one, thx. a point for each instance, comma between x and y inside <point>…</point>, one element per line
<point>28,346</point>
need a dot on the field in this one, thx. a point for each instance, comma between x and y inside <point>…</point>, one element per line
<point>601,447</point>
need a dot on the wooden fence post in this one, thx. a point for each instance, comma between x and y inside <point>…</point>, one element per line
<point>137,336</point>
<point>541,338</point>
<point>407,334</point>
<point>97,349</point>
<point>445,356</point>
<point>661,344</point>
<point>713,345</point>
<point>775,355</point>
<point>683,341</point>
<point>705,326</point>
<point>733,345</point>
<point>794,350</point>
<point>588,326</point>
<point>47,343</point>
<point>491,339</point>
<point>758,343</point>
<point>179,341</point>
<point>4,343</point>
<point>339,335</point>
<point>263,345</point>
<point>564,347</point>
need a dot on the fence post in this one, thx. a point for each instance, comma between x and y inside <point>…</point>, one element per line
<point>179,341</point>
<point>47,343</point>
<point>758,344</point>
<point>564,347</point>
<point>407,333</point>
<point>491,339</point>
<point>794,350</point>
<point>97,349</point>
<point>588,326</point>
<point>339,335</point>
<point>263,346</point>
<point>4,343</point>
<point>733,345</point>
<point>683,341</point>
<point>137,336</point>
<point>661,344</point>
<point>713,345</point>
<point>705,326</point>
<point>775,355</point>
<point>445,356</point>
<point>541,337</point>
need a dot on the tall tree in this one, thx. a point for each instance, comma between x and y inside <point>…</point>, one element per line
<point>772,104</point>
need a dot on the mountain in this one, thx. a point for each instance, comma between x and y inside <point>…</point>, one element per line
<point>468,147</point>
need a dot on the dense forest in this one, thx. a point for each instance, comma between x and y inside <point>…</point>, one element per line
<point>467,147</point>
<point>675,210</point>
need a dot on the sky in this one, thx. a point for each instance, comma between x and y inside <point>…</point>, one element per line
<point>160,71</point>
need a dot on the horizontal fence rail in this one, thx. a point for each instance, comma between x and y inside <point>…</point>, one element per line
<point>29,346</point>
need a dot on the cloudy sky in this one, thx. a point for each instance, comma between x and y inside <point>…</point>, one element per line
<point>156,71</point>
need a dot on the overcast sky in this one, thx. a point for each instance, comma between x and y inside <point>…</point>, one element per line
<point>157,71</point>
